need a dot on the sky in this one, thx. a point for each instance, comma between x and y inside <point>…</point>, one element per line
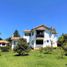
<point>26,14</point>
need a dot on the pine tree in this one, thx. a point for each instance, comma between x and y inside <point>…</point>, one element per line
<point>16,34</point>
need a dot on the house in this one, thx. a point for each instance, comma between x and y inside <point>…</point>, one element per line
<point>14,41</point>
<point>3,43</point>
<point>41,36</point>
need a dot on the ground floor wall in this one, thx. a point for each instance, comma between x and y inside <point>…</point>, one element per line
<point>46,43</point>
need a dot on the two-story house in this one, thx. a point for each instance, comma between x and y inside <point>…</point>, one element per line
<point>41,36</point>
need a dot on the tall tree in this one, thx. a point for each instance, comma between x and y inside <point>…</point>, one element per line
<point>16,34</point>
<point>62,39</point>
<point>1,38</point>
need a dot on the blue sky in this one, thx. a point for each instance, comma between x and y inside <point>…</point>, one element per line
<point>26,14</point>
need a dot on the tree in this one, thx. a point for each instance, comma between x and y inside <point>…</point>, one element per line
<point>9,39</point>
<point>22,48</point>
<point>1,39</point>
<point>63,41</point>
<point>16,34</point>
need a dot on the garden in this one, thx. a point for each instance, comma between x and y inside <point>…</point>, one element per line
<point>34,59</point>
<point>24,56</point>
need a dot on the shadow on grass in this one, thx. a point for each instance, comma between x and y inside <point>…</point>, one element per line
<point>21,55</point>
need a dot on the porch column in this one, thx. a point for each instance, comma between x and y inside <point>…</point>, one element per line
<point>12,45</point>
<point>34,39</point>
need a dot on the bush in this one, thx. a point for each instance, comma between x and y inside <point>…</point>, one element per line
<point>0,53</point>
<point>60,53</point>
<point>5,49</point>
<point>65,48</point>
<point>46,50</point>
<point>22,48</point>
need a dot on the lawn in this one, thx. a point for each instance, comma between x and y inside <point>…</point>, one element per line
<point>35,59</point>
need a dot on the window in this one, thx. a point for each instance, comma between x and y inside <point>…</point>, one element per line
<point>3,44</point>
<point>39,42</point>
<point>47,41</point>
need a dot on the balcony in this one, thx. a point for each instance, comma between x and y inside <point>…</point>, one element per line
<point>40,33</point>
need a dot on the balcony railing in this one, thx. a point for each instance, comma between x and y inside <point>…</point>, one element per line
<point>40,35</point>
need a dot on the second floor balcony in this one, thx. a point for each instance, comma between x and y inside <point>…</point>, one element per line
<point>39,33</point>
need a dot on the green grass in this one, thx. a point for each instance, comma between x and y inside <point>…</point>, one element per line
<point>35,59</point>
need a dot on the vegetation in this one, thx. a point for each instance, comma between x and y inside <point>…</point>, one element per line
<point>0,52</point>
<point>22,48</point>
<point>62,39</point>
<point>45,57</point>
<point>16,34</point>
<point>9,40</point>
<point>5,49</point>
<point>33,60</point>
<point>63,42</point>
<point>46,50</point>
<point>1,38</point>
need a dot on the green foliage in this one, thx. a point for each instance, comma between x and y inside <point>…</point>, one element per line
<point>60,53</point>
<point>22,48</point>
<point>65,48</point>
<point>9,39</point>
<point>33,60</point>
<point>0,52</point>
<point>46,50</point>
<point>1,39</point>
<point>62,39</point>
<point>5,48</point>
<point>16,34</point>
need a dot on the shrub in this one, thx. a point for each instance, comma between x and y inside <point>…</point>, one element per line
<point>41,50</point>
<point>60,53</point>
<point>22,48</point>
<point>65,48</point>
<point>0,53</point>
<point>46,50</point>
<point>5,48</point>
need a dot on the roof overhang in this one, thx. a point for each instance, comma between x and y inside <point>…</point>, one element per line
<point>4,41</point>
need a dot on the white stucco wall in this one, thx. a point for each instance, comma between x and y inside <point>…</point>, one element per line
<point>27,38</point>
<point>46,37</point>
<point>54,40</point>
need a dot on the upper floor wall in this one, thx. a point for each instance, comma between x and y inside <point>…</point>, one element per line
<point>40,32</point>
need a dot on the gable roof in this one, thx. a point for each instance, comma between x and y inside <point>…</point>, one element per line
<point>27,31</point>
<point>15,38</point>
<point>42,27</point>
